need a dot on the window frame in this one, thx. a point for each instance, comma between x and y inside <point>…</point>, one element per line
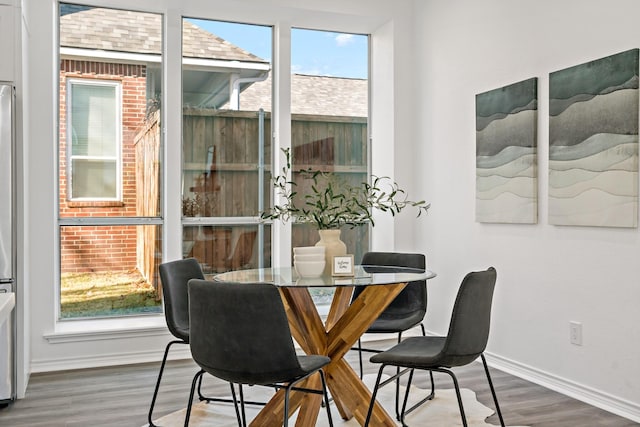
<point>117,84</point>
<point>72,329</point>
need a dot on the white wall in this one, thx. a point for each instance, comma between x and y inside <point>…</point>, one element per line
<point>7,41</point>
<point>547,275</point>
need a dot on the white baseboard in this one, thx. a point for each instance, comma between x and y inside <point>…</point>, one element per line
<point>599,399</point>
<point>178,352</point>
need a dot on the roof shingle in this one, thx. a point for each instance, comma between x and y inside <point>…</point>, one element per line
<point>139,32</point>
<point>318,95</point>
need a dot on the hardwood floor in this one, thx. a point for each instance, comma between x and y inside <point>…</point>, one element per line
<point>120,396</point>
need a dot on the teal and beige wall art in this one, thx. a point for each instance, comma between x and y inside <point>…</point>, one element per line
<point>593,143</point>
<point>506,154</point>
<point>593,147</point>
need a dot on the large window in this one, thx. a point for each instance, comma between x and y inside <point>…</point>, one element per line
<point>110,226</point>
<point>329,118</point>
<point>93,127</point>
<point>226,125</point>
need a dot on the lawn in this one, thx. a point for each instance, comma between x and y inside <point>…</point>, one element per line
<point>122,293</point>
<point>106,294</point>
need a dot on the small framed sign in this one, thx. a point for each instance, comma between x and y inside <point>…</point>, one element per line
<point>342,265</point>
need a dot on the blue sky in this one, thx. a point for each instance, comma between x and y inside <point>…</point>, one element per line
<point>312,52</point>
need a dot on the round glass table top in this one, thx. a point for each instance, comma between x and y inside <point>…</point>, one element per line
<point>364,275</point>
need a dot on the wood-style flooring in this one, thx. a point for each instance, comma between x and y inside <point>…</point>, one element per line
<point>120,396</point>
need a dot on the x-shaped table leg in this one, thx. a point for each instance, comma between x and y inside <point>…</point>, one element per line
<point>345,323</point>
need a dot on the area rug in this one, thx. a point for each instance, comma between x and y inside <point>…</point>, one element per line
<point>442,411</point>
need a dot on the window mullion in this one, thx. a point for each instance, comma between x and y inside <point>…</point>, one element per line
<point>281,130</point>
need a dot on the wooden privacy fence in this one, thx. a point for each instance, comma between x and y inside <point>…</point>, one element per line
<point>220,155</point>
<point>149,242</point>
<point>221,170</point>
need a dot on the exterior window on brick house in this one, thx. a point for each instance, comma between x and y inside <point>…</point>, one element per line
<point>94,131</point>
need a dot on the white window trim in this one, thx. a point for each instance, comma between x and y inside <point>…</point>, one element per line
<point>69,135</point>
<point>107,329</point>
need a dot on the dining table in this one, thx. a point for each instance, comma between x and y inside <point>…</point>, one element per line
<point>333,335</point>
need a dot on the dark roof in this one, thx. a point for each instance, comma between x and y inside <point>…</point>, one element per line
<point>321,95</point>
<point>116,30</point>
<point>139,32</point>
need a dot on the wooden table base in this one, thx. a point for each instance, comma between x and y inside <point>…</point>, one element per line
<point>345,324</point>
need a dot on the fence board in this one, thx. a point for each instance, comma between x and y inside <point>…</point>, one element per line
<point>148,245</point>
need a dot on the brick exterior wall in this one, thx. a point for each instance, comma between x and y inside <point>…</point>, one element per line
<point>98,249</point>
<point>103,248</point>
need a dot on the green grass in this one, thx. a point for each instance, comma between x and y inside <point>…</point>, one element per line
<point>112,294</point>
<point>106,294</point>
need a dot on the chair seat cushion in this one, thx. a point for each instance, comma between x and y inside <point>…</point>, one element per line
<point>413,352</point>
<point>308,364</point>
<point>313,362</point>
<point>181,333</point>
<point>391,324</point>
<point>422,353</point>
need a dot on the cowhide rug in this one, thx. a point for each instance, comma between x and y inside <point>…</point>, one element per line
<point>442,411</point>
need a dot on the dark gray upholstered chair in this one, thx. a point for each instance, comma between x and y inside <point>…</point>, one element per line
<point>174,276</point>
<point>406,311</point>
<point>464,343</point>
<point>240,334</point>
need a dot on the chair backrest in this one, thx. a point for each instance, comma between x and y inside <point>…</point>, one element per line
<point>469,327</point>
<point>240,332</point>
<point>174,276</point>
<point>413,298</point>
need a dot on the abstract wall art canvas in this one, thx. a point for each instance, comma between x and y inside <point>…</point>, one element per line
<point>593,143</point>
<point>506,154</point>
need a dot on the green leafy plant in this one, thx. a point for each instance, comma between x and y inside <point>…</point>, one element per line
<point>333,202</point>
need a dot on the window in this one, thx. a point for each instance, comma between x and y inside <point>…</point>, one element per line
<point>226,125</point>
<point>109,164</point>
<point>111,225</point>
<point>329,123</point>
<point>329,117</point>
<point>94,131</point>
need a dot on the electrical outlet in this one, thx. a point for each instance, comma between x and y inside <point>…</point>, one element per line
<point>575,333</point>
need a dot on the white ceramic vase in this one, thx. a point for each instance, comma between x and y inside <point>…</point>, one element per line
<point>333,246</point>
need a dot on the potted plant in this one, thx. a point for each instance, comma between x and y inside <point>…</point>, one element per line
<point>333,202</point>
